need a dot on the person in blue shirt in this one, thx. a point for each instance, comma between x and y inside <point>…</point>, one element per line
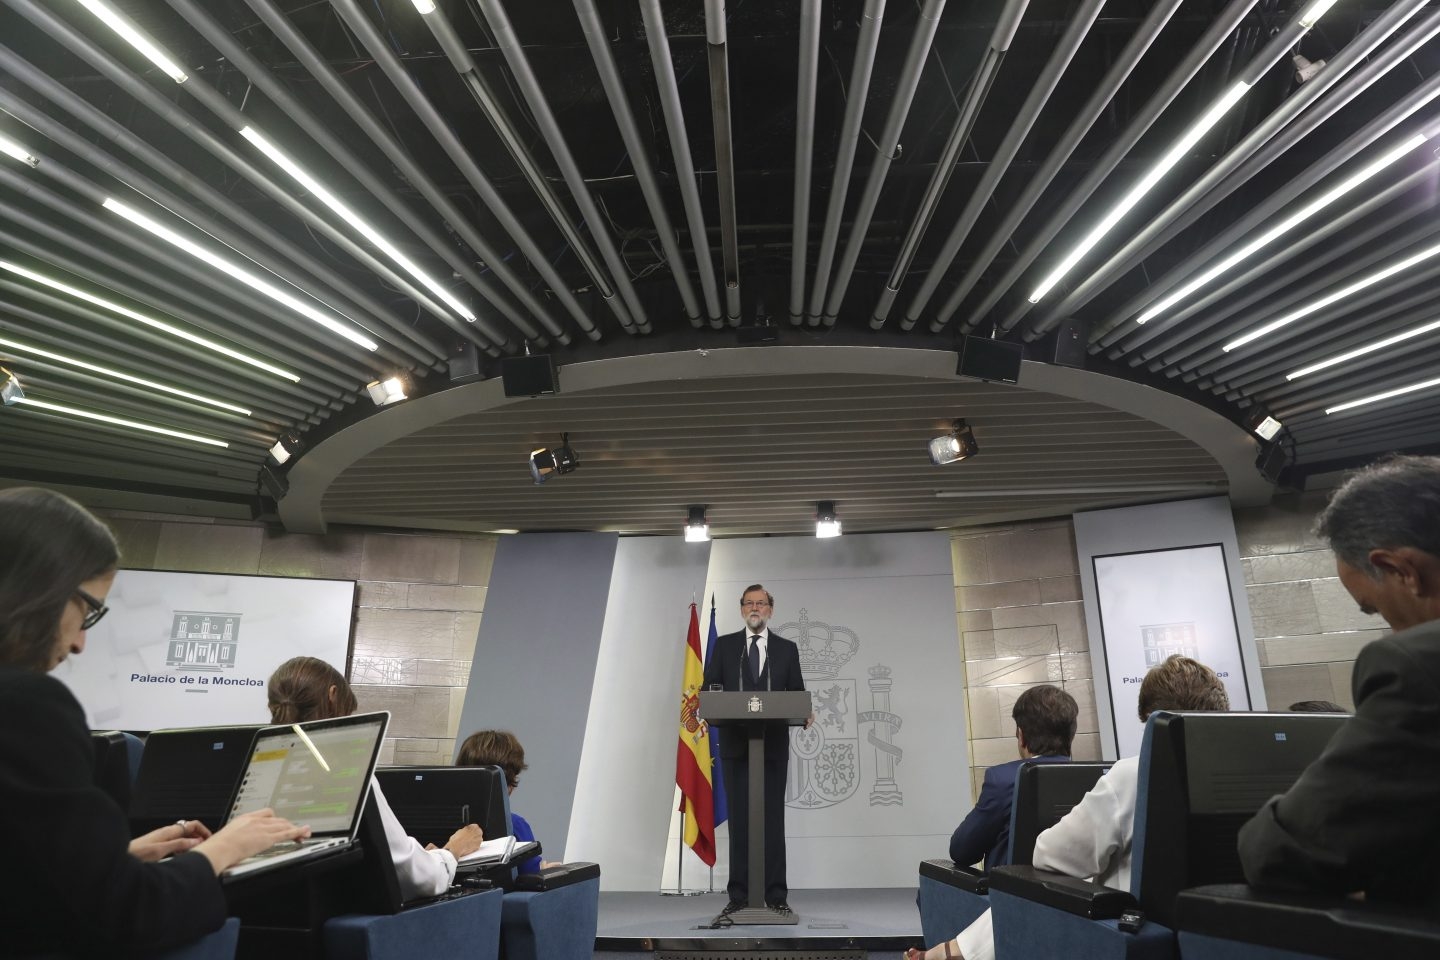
<point>500,748</point>
<point>1045,718</point>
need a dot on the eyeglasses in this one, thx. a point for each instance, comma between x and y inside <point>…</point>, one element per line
<point>97,609</point>
<point>758,604</point>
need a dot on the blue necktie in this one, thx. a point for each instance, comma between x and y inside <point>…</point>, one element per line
<point>755,658</point>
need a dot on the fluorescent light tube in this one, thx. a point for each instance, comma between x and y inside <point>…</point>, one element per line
<point>240,273</point>
<point>19,347</point>
<point>1281,228</point>
<point>323,194</point>
<point>160,325</point>
<point>1172,156</point>
<point>128,32</point>
<point>1377,397</point>
<point>119,421</point>
<point>1335,297</point>
<point>425,6</point>
<point>1400,337</point>
<point>1314,12</point>
<point>12,149</point>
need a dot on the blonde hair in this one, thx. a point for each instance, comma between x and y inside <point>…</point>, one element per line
<point>1181,684</point>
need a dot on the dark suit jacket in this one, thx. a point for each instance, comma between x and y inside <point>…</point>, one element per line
<point>1366,814</point>
<point>985,831</point>
<point>69,884</point>
<point>782,667</point>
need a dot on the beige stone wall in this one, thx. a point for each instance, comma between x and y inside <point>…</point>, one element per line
<point>1307,628</point>
<point>420,600</point>
<point>1021,623</point>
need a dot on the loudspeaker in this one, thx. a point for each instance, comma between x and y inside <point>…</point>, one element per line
<point>1271,461</point>
<point>1072,337</point>
<point>463,363</point>
<point>986,359</point>
<point>529,376</point>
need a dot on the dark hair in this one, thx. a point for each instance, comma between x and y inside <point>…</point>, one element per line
<point>1180,683</point>
<point>1390,504</point>
<point>494,748</point>
<point>1316,706</point>
<point>299,690</point>
<point>757,586</point>
<point>1046,715</point>
<point>49,545</point>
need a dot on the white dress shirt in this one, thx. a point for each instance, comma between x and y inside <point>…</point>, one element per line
<point>764,636</point>
<point>421,872</point>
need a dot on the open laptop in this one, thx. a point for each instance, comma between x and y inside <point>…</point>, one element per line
<point>315,773</point>
<point>189,774</point>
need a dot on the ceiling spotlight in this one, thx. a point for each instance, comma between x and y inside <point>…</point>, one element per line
<point>562,460</point>
<point>285,448</point>
<point>386,392</point>
<point>696,529</point>
<point>1260,423</point>
<point>10,391</point>
<point>827,525</point>
<point>954,446</point>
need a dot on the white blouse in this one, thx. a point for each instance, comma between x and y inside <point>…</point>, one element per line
<point>421,872</point>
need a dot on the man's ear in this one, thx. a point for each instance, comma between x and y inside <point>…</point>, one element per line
<point>1417,569</point>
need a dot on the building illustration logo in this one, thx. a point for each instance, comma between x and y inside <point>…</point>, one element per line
<point>1163,640</point>
<point>826,760</point>
<point>202,641</point>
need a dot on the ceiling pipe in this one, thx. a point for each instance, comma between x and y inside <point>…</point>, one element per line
<point>1016,210</point>
<point>445,135</point>
<point>337,354</point>
<point>856,92</point>
<point>669,88</point>
<point>1275,49</point>
<point>469,73</point>
<point>1271,137</point>
<point>456,219</point>
<point>809,65</point>
<point>337,287</point>
<point>488,337</point>
<point>627,307</point>
<point>637,148</point>
<point>909,79</point>
<point>718,59</point>
<point>68,37</point>
<point>975,96</point>
<point>1064,211</point>
<point>1168,333</point>
<point>1029,112</point>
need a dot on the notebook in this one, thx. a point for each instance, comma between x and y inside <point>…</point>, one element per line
<point>315,773</point>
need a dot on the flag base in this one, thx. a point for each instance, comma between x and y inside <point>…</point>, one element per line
<point>679,892</point>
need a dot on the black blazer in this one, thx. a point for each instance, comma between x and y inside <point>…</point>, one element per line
<point>782,670</point>
<point>69,883</point>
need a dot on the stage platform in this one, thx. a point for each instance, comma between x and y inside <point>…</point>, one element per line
<point>833,925</point>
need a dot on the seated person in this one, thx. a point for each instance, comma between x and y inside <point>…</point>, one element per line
<point>74,882</point>
<point>499,748</point>
<point>1045,719</point>
<point>1362,817</point>
<point>304,688</point>
<point>1093,839</point>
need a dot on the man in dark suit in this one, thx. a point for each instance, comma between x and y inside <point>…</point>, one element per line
<point>1362,817</point>
<point>756,659</point>
<point>1045,720</point>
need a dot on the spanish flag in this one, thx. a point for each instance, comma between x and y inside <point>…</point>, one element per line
<point>692,756</point>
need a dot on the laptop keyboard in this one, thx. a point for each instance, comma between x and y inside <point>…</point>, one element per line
<point>280,852</point>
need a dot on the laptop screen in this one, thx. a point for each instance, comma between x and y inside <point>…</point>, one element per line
<point>315,773</point>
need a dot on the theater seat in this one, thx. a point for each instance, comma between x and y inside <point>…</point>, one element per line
<point>557,922</point>
<point>1234,922</point>
<point>219,945</point>
<point>467,926</point>
<point>951,898</point>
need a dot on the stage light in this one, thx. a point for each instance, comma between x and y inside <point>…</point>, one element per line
<point>696,529</point>
<point>1260,423</point>
<point>386,392</point>
<point>954,446</point>
<point>1377,397</point>
<point>11,392</point>
<point>545,461</point>
<point>1305,69</point>
<point>285,448</point>
<point>131,35</point>
<point>827,525</point>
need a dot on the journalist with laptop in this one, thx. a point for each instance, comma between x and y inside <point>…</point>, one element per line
<point>78,882</point>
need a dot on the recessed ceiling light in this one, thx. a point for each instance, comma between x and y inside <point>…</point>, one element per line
<point>118,421</point>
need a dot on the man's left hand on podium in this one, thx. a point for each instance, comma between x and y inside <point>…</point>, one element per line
<point>810,719</point>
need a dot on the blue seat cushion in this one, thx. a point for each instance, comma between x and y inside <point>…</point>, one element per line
<point>1025,930</point>
<point>552,924</point>
<point>467,926</point>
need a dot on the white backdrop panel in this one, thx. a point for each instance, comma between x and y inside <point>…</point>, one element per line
<point>885,776</point>
<point>191,649</point>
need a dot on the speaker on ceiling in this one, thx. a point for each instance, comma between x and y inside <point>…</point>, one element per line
<point>1072,338</point>
<point>986,359</point>
<point>529,376</point>
<point>463,363</point>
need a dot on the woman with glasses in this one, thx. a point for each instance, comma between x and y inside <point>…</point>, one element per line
<point>74,881</point>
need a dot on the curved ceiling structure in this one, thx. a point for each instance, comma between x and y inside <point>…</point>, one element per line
<point>220,221</point>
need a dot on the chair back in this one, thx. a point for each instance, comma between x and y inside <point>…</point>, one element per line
<point>1045,792</point>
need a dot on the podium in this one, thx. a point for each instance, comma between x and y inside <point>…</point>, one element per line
<point>753,712</point>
